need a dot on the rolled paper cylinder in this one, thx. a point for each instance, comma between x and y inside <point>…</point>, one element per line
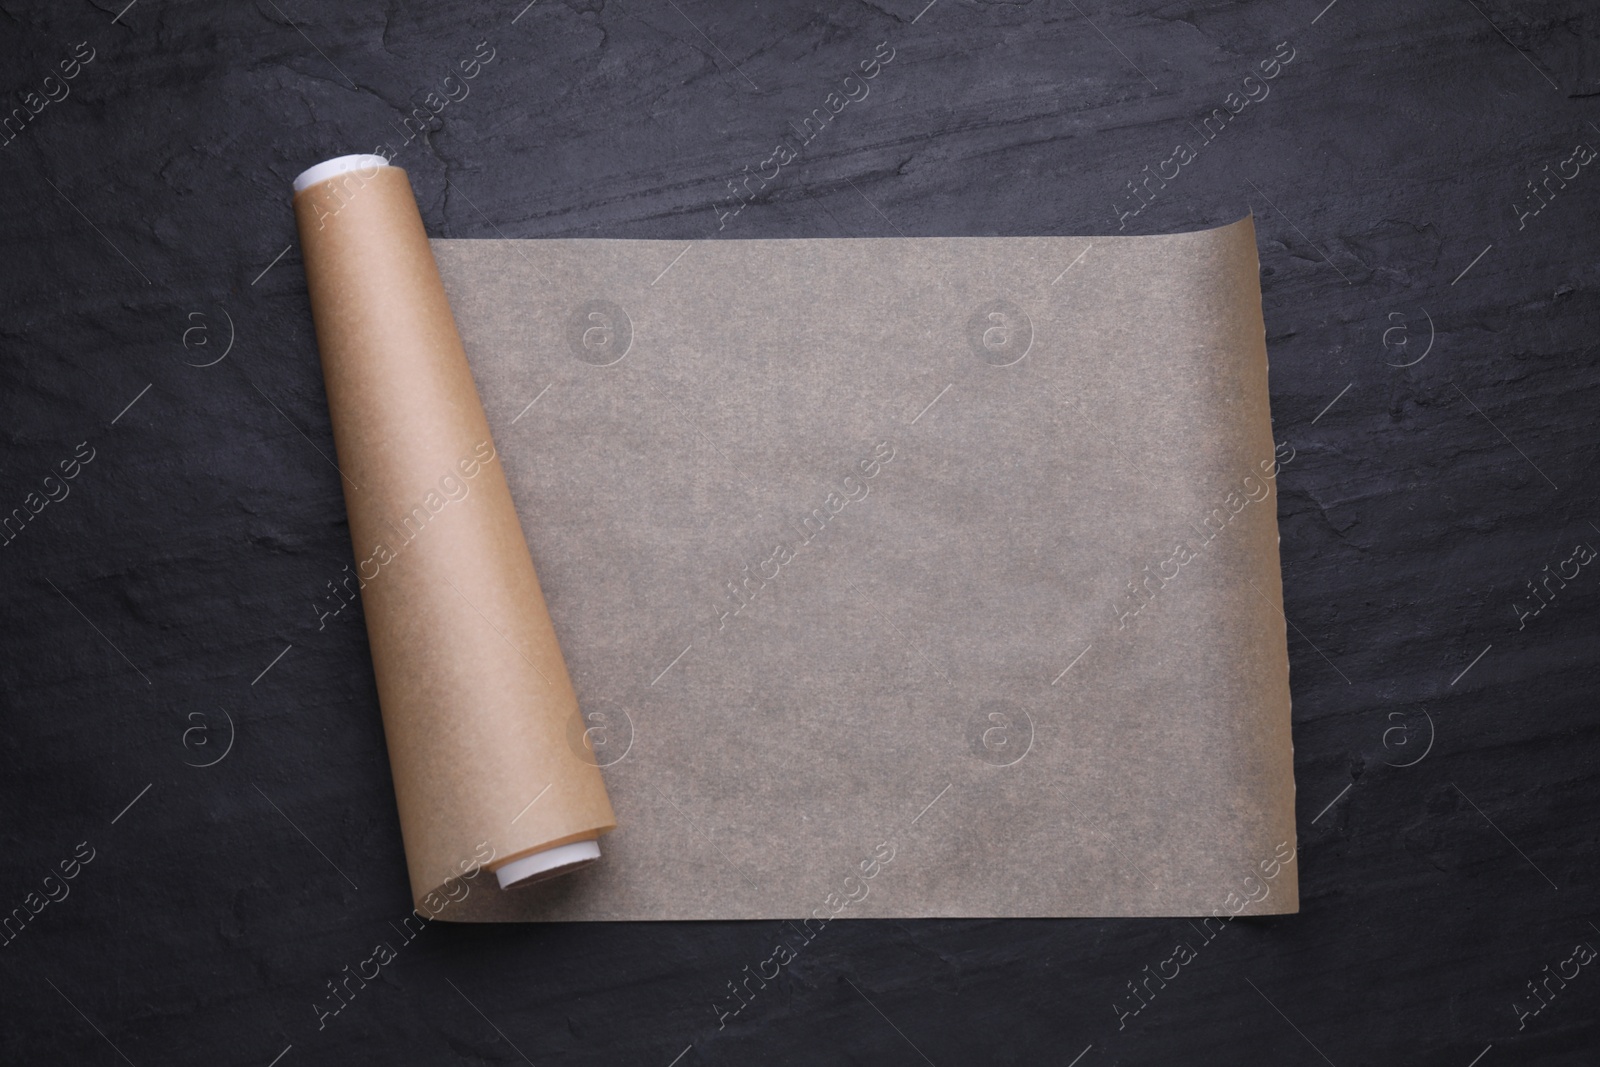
<point>478,710</point>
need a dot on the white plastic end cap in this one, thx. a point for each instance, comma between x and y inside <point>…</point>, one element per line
<point>332,168</point>
<point>548,864</point>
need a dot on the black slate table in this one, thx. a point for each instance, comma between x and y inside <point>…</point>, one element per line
<point>199,834</point>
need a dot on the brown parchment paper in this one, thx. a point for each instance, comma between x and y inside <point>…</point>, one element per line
<point>925,577</point>
<point>477,703</point>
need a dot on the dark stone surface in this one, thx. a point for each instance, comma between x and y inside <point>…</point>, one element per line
<point>1392,153</point>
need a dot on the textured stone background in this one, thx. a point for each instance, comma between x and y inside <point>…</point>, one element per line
<point>148,227</point>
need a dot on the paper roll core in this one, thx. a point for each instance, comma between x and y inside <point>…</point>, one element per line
<point>548,864</point>
<point>332,168</point>
<point>476,700</point>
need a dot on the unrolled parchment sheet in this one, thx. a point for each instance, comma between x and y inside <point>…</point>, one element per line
<point>900,577</point>
<point>476,699</point>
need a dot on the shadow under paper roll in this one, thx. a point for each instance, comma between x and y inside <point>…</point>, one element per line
<point>474,692</point>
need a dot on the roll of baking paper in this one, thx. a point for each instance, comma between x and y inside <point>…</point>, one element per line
<point>477,705</point>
